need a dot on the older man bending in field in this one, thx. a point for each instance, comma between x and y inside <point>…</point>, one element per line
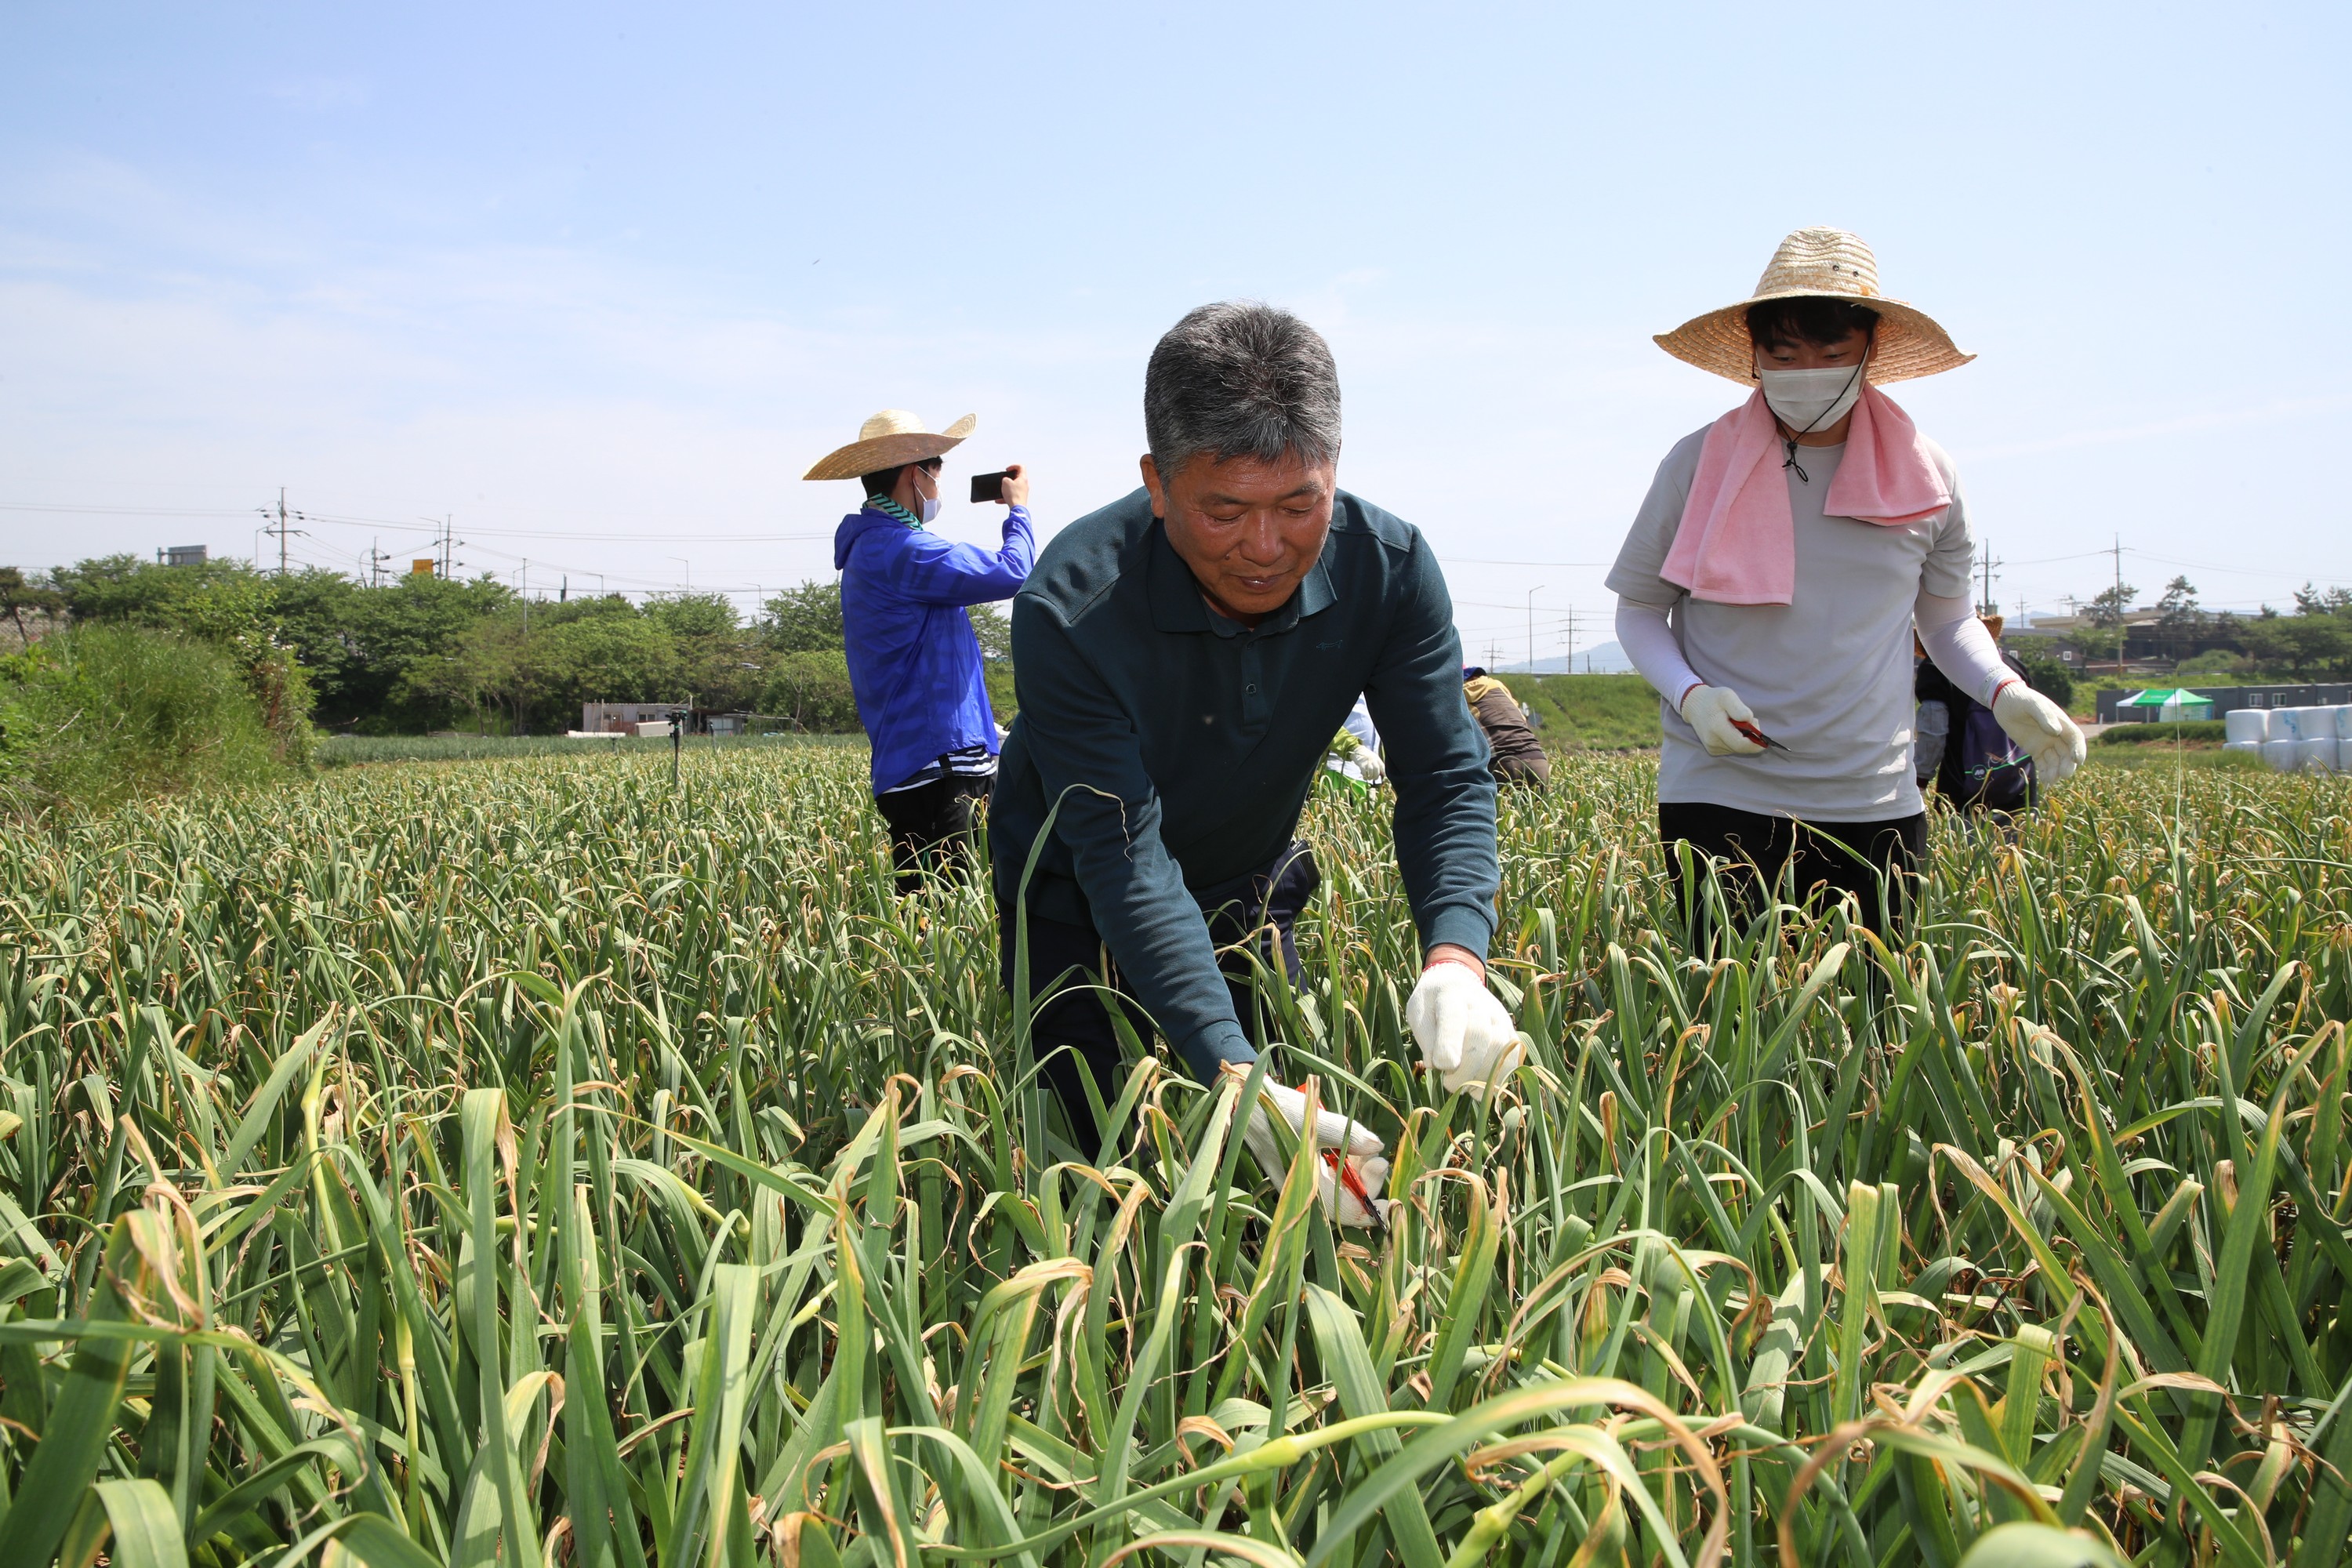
<point>1182,659</point>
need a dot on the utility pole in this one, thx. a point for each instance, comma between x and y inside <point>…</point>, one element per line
<point>1985,605</point>
<point>1531,628</point>
<point>1569,666</point>
<point>2123,633</point>
<point>281,528</point>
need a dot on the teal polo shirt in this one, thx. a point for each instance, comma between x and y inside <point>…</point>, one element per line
<point>1180,746</point>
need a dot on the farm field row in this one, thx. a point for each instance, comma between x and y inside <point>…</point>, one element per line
<point>526,1161</point>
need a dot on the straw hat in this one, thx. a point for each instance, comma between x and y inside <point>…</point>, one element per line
<point>888,439</point>
<point>1835,264</point>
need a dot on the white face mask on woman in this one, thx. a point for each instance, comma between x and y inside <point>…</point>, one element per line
<point>1807,400</point>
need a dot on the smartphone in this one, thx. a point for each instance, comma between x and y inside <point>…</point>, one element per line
<point>989,487</point>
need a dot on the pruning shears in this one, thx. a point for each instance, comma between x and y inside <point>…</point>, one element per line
<point>1747,729</point>
<point>1354,1184</point>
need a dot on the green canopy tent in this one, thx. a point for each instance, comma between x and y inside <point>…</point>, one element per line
<point>2157,706</point>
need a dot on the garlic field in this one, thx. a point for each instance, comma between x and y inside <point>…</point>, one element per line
<point>520,1163</point>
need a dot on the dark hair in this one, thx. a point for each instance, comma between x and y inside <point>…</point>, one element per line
<point>882,482</point>
<point>1241,379</point>
<point>1808,319</point>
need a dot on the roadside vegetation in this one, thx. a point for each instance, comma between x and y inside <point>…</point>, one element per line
<point>424,653</point>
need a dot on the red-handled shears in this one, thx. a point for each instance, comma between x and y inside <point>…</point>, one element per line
<point>1354,1183</point>
<point>1756,735</point>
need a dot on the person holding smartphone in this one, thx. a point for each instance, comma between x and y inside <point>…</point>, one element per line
<point>914,660</point>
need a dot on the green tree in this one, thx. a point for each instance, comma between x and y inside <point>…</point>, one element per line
<point>720,664</point>
<point>806,619</point>
<point>810,690</point>
<point>612,657</point>
<point>18,595</point>
<point>2316,644</point>
<point>2179,620</point>
<point>994,629</point>
<point>402,637</point>
<point>2102,639</point>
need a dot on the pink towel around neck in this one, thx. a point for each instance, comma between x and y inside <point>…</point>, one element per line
<point>1737,542</point>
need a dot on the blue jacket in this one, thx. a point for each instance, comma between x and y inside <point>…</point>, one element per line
<point>914,662</point>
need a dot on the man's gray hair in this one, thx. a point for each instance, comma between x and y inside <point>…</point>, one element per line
<point>1241,379</point>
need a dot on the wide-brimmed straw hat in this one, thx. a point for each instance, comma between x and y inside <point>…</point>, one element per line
<point>890,439</point>
<point>1834,265</point>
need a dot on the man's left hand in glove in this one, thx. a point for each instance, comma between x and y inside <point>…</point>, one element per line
<point>1466,1035</point>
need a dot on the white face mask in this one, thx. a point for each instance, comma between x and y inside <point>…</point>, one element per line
<point>927,508</point>
<point>1807,400</point>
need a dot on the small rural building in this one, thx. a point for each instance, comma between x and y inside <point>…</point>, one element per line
<point>628,719</point>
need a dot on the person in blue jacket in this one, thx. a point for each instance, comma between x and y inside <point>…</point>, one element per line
<point>914,661</point>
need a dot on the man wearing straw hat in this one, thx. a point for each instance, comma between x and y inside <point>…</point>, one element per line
<point>914,661</point>
<point>1773,577</point>
<point>1183,657</point>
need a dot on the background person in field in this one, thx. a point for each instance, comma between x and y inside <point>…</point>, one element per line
<point>1520,757</point>
<point>1773,576</point>
<point>1976,766</point>
<point>1183,657</point>
<point>914,661</point>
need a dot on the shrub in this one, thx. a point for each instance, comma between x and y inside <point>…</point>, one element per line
<point>110,712</point>
<point>2163,732</point>
<point>2047,674</point>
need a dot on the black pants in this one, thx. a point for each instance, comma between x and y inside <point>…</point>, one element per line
<point>1252,915</point>
<point>1827,861</point>
<point>930,825</point>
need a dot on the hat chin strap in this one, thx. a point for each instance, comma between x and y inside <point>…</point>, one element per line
<point>1788,441</point>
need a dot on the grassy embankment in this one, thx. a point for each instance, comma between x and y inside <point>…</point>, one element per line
<point>1589,712</point>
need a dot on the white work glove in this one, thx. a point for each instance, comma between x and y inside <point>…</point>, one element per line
<point>1334,1134</point>
<point>1466,1035</point>
<point>2042,727</point>
<point>1368,762</point>
<point>1710,710</point>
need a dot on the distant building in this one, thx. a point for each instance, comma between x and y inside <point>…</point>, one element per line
<point>186,555</point>
<point>2145,636</point>
<point>623,718</point>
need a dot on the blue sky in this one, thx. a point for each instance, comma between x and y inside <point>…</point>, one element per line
<point>601,282</point>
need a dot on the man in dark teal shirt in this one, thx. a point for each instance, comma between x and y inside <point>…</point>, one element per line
<point>1182,659</point>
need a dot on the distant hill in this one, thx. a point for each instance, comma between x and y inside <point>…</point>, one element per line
<point>1606,660</point>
